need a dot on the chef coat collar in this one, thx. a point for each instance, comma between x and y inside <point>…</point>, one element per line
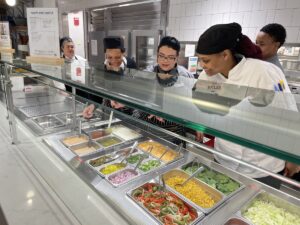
<point>240,62</point>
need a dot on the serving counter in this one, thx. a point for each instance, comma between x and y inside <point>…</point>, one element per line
<point>128,168</point>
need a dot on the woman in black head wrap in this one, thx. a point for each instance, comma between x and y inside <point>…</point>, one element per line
<point>228,56</point>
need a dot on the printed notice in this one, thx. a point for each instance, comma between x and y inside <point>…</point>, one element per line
<point>4,35</point>
<point>189,50</point>
<point>43,31</point>
<point>94,47</point>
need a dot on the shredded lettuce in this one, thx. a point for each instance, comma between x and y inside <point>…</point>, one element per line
<point>266,213</point>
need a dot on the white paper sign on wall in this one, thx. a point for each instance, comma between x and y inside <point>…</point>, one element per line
<point>43,31</point>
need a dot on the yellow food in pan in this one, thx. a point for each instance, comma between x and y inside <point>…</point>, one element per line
<point>158,150</point>
<point>192,191</point>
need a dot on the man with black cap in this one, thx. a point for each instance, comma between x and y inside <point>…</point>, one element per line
<point>228,56</point>
<point>115,61</point>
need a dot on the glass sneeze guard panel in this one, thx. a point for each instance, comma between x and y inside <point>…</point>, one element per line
<point>264,120</point>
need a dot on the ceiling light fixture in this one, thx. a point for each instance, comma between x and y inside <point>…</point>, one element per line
<point>11,2</point>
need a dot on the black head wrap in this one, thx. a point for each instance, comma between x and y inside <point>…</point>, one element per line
<point>113,42</point>
<point>227,36</point>
<point>219,37</point>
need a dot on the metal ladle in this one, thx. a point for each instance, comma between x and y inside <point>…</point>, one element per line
<point>130,152</point>
<point>200,169</point>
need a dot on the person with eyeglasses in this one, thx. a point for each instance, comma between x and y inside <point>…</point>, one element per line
<point>270,38</point>
<point>167,57</point>
<point>168,73</point>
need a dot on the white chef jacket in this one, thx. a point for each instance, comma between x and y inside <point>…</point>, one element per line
<point>77,60</point>
<point>258,74</point>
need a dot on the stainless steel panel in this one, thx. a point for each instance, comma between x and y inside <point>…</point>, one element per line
<point>96,37</point>
<point>48,122</point>
<point>126,36</point>
<point>144,47</point>
<point>51,108</point>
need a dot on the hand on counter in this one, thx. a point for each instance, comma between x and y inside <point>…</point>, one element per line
<point>199,136</point>
<point>291,169</point>
<point>88,111</point>
<point>156,117</point>
<point>116,105</point>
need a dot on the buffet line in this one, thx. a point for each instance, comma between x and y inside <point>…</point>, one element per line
<point>151,180</point>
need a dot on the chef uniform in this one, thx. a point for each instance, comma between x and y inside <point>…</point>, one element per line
<point>250,73</point>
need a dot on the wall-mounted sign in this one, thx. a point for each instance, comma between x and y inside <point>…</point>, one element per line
<point>192,65</point>
<point>4,35</point>
<point>43,31</point>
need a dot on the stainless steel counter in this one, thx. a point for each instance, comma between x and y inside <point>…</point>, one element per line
<point>124,205</point>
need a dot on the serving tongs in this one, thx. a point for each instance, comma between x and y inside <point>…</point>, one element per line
<point>162,155</point>
<point>140,161</point>
<point>90,140</point>
<point>200,169</point>
<point>162,183</point>
<point>129,152</point>
<point>180,148</point>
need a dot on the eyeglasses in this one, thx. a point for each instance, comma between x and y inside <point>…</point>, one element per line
<point>169,58</point>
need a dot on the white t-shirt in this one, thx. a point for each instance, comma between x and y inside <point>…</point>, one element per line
<point>258,74</point>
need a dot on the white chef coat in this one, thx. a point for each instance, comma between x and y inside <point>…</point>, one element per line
<point>258,74</point>
<point>76,61</point>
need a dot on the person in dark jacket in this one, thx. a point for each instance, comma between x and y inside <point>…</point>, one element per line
<point>115,61</point>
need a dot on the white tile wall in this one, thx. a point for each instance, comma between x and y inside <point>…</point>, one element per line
<point>296,18</point>
<point>281,4</point>
<point>267,4</point>
<point>188,19</point>
<point>284,16</point>
<point>292,34</point>
<point>293,4</point>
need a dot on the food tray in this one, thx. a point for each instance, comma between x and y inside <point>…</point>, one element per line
<point>215,194</point>
<point>145,161</point>
<point>121,152</point>
<point>98,133</point>
<point>128,166</point>
<point>101,141</point>
<point>199,214</point>
<point>216,171</point>
<point>236,221</point>
<point>48,122</point>
<point>85,145</point>
<point>126,170</point>
<point>277,201</point>
<point>156,153</point>
<point>81,136</point>
<point>120,131</point>
<point>52,108</point>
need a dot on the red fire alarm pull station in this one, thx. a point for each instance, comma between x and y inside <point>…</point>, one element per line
<point>76,21</point>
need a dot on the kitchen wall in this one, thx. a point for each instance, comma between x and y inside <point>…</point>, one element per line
<point>45,3</point>
<point>189,18</point>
